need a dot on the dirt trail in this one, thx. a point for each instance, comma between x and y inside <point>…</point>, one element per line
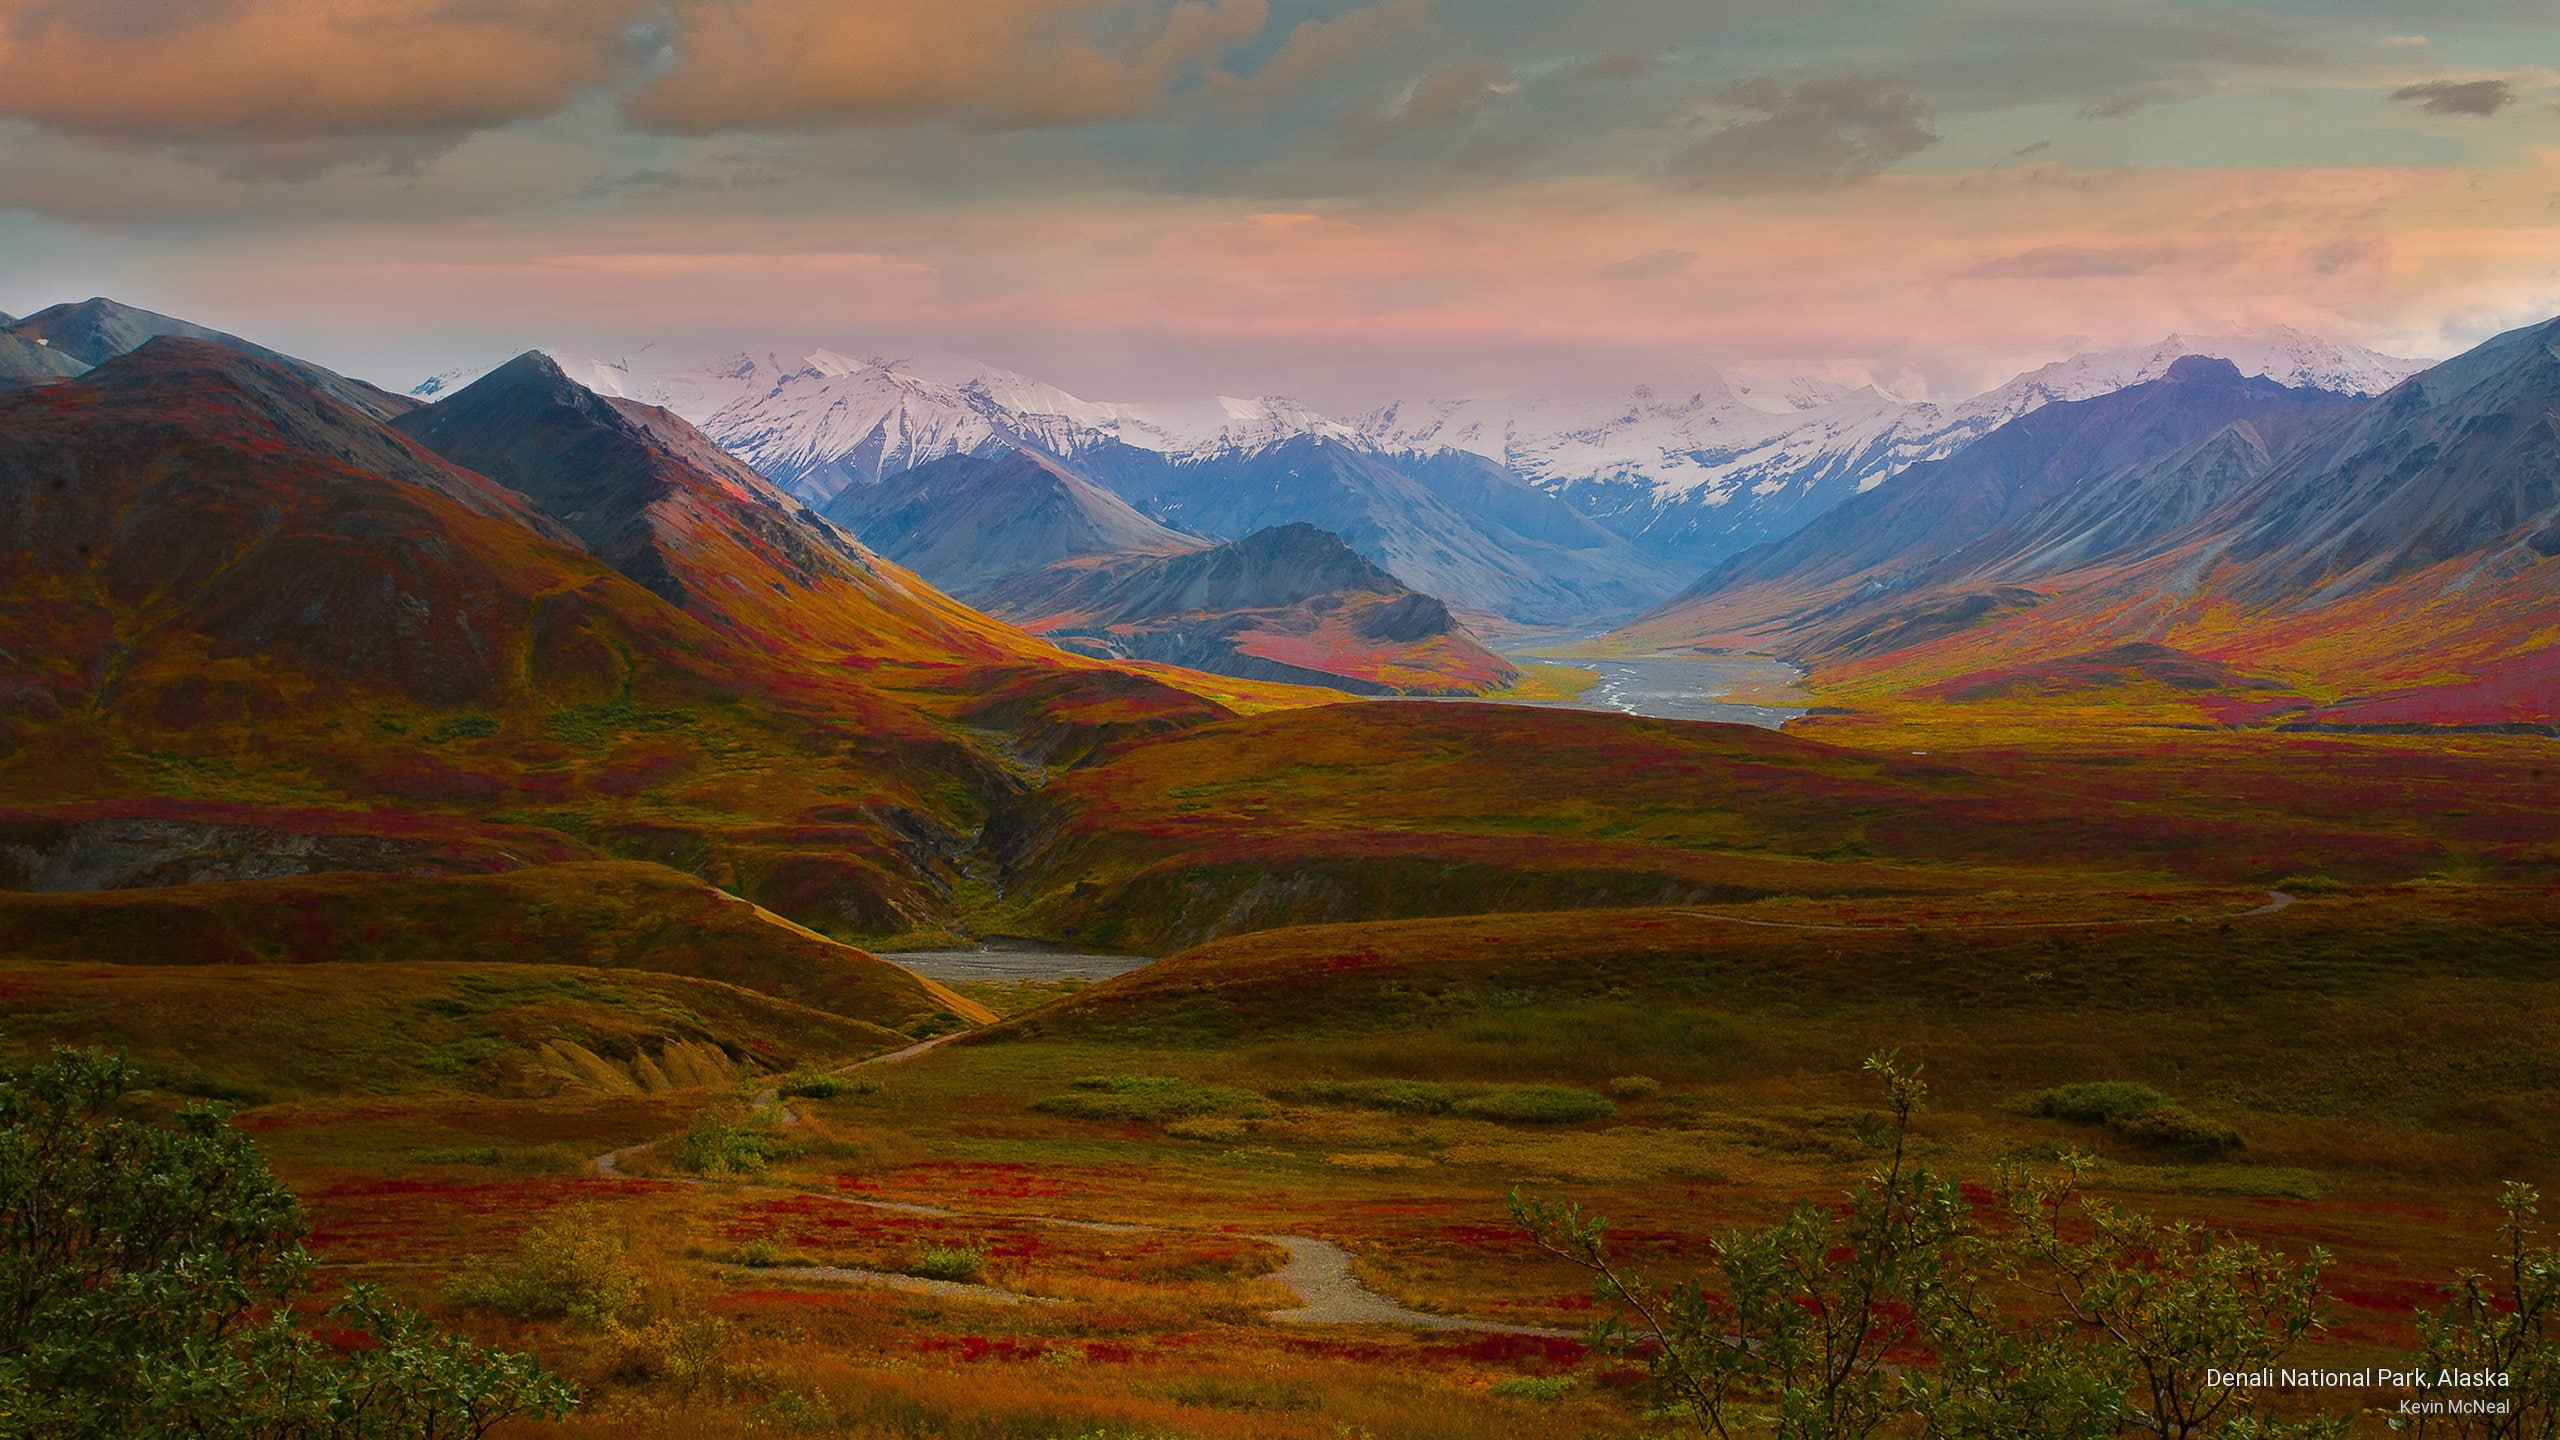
<point>2276,900</point>
<point>1318,1271</point>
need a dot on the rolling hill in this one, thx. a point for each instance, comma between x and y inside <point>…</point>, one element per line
<point>1290,603</point>
<point>243,590</point>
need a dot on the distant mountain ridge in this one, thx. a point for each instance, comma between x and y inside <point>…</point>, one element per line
<point>69,339</point>
<point>1711,469</point>
<point>1026,538</point>
<point>2378,560</point>
<point>968,523</point>
<point>1290,603</point>
<point>1667,480</point>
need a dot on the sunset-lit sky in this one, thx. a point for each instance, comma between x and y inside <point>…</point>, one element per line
<point>1344,200</point>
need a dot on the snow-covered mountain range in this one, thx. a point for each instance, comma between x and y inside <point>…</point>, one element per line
<point>1686,475</point>
<point>822,421</point>
<point>1712,469</point>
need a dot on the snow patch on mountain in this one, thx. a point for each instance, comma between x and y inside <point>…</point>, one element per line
<point>1690,472</point>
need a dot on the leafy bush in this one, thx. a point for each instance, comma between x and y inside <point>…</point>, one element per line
<point>570,1267</point>
<point>1150,1098</point>
<point>2508,1321</point>
<point>1404,1097</point>
<point>2096,1102</point>
<point>2139,1114</point>
<point>812,1085</point>
<point>472,1155</point>
<point>1635,1087</point>
<point>1549,1388</point>
<point>2076,1320</point>
<point>158,1296</point>
<point>948,1262</point>
<point>1538,1105</point>
<point>1519,1105</point>
<point>2173,1128</point>
<point>727,1140</point>
<point>686,1353</point>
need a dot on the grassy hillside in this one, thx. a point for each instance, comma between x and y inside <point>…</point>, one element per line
<point>2405,1028</point>
<point>602,915</point>
<point>266,1033</point>
<point>1383,811</point>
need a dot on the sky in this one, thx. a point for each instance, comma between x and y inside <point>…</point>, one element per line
<point>1343,200</point>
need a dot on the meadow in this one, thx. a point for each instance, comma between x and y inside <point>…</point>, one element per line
<point>792,1241</point>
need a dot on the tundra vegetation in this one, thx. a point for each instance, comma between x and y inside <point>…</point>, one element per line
<point>151,1282</point>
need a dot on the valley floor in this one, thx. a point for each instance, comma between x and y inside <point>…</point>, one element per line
<point>1116,1214</point>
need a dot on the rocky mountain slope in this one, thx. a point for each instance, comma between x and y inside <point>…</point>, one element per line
<point>63,340</point>
<point>1698,473</point>
<point>969,523</point>
<point>1290,603</point>
<point>2344,561</point>
<point>1950,541</point>
<point>239,590</point>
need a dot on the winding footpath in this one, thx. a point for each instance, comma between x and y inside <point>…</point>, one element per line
<point>1318,1271</point>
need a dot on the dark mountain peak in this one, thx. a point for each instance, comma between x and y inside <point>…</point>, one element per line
<point>1308,556</point>
<point>1278,566</point>
<point>2460,462</point>
<point>215,390</point>
<point>98,329</point>
<point>65,340</point>
<point>2202,370</point>
<point>976,524</point>
<point>524,388</point>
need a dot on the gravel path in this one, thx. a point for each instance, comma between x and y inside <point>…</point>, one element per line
<point>1320,1271</point>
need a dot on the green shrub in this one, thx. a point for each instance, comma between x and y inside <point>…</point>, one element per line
<point>728,1141</point>
<point>685,1354</point>
<point>1635,1087</point>
<point>566,1268</point>
<point>151,1281</point>
<point>1404,1097</point>
<point>1537,1105</point>
<point>813,1085</point>
<point>2097,1102</point>
<point>1149,1098</point>
<point>1549,1388</point>
<point>472,1155</point>
<point>948,1262</point>
<point>2173,1128</point>
<point>2140,1114</point>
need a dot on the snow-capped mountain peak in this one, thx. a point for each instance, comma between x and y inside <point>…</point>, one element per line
<point>1691,470</point>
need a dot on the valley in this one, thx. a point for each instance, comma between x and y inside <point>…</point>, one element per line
<point>1052,943</point>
